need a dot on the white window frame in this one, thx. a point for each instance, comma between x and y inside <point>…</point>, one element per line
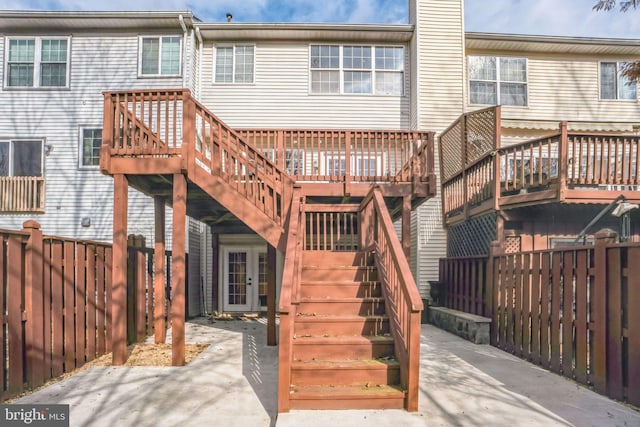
<point>12,141</point>
<point>159,74</point>
<point>37,62</point>
<point>233,64</point>
<point>372,70</point>
<point>81,164</point>
<point>498,81</point>
<point>617,98</point>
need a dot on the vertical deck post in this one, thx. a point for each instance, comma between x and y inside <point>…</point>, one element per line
<point>119,270</point>
<point>178,270</point>
<point>496,159</point>
<point>599,301</point>
<point>406,225</point>
<point>34,291</point>
<point>563,161</point>
<point>271,295</point>
<point>159,325</point>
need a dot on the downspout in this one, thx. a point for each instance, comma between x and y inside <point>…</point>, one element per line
<point>201,44</point>
<point>187,72</point>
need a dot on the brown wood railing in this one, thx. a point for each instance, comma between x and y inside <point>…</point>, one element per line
<point>347,155</point>
<point>401,293</point>
<point>478,176</point>
<point>331,228</point>
<point>22,194</point>
<point>289,296</point>
<point>574,311</point>
<point>56,299</point>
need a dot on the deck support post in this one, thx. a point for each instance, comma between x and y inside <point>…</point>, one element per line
<point>119,270</point>
<point>271,295</point>
<point>178,269</point>
<point>159,324</point>
<point>406,225</point>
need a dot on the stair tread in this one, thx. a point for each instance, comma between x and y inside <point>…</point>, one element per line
<point>341,299</point>
<point>345,364</point>
<point>375,391</point>
<point>343,339</point>
<point>338,317</point>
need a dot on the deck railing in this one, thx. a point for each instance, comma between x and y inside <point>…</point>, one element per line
<point>289,296</point>
<point>574,311</point>
<point>22,194</point>
<point>478,176</point>
<point>403,301</point>
<point>338,156</point>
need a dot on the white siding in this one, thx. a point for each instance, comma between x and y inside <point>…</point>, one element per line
<point>280,95</point>
<point>566,87</point>
<point>98,63</point>
<point>439,52</point>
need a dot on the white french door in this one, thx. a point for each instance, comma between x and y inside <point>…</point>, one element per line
<point>244,278</point>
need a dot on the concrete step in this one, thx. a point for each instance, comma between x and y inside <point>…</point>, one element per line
<point>338,289</point>
<point>347,397</point>
<point>341,325</point>
<point>312,273</point>
<point>350,306</point>
<point>345,372</point>
<point>341,348</point>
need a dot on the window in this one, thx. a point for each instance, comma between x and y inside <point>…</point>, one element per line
<point>160,56</point>
<point>497,81</point>
<point>357,69</point>
<point>234,64</point>
<point>20,158</point>
<point>613,84</point>
<point>90,142</point>
<point>37,62</point>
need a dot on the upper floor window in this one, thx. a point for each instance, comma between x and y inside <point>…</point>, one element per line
<point>20,158</point>
<point>90,142</point>
<point>614,84</point>
<point>37,62</point>
<point>160,56</point>
<point>357,69</point>
<point>234,64</point>
<point>497,80</point>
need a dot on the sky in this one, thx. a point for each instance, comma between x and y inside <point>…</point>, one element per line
<point>540,17</point>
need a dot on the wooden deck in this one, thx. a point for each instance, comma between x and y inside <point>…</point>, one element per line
<point>479,175</point>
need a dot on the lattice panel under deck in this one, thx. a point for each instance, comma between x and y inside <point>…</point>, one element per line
<point>472,237</point>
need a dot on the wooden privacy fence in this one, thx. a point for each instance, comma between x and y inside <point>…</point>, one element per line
<point>574,311</point>
<point>55,301</point>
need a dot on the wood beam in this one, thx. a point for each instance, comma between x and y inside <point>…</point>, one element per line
<point>159,279</point>
<point>119,270</point>
<point>271,295</point>
<point>178,269</point>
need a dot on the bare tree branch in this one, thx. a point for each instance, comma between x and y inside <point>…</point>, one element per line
<point>607,5</point>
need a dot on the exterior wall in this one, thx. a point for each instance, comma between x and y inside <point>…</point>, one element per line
<point>439,70</point>
<point>280,96</point>
<point>97,63</point>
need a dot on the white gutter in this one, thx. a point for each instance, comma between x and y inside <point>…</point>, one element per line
<point>200,57</point>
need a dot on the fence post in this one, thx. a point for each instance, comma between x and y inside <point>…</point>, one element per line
<point>599,309</point>
<point>491,288</point>
<point>34,309</point>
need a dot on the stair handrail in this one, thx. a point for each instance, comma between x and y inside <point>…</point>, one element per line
<point>399,288</point>
<point>289,295</point>
<point>214,146</point>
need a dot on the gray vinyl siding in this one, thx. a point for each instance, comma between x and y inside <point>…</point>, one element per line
<point>280,97</point>
<point>97,63</point>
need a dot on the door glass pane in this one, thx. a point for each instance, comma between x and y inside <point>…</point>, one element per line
<point>262,279</point>
<point>27,158</point>
<point>237,278</point>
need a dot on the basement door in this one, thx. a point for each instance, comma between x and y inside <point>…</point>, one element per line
<point>245,278</point>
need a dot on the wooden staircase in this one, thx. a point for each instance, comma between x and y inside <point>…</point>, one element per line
<point>343,351</point>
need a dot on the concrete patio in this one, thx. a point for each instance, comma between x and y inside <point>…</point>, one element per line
<point>234,382</point>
